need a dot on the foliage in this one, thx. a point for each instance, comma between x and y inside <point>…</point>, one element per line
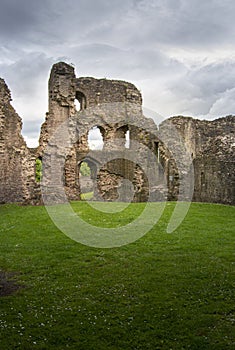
<point>165,291</point>
<point>85,169</point>
<point>38,170</point>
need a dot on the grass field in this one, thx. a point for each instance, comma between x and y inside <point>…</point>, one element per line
<point>165,291</point>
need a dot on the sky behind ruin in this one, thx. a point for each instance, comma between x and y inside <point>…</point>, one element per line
<point>179,53</point>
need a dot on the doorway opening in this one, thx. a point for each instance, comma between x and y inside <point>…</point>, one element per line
<point>87,179</point>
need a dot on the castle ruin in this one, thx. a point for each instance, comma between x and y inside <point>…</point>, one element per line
<point>181,159</point>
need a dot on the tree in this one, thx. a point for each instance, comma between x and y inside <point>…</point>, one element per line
<point>85,169</point>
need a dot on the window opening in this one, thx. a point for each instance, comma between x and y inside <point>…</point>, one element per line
<point>95,139</point>
<point>80,101</point>
<point>86,174</point>
<point>127,137</point>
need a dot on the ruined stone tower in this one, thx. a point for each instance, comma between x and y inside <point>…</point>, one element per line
<point>115,108</point>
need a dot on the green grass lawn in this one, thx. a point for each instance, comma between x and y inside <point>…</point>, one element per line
<point>164,291</point>
<point>87,196</point>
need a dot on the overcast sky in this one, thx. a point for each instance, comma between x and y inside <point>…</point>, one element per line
<point>179,53</point>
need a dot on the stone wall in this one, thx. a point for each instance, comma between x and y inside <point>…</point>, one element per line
<point>183,159</point>
<point>211,146</point>
<point>16,160</point>
<point>112,106</point>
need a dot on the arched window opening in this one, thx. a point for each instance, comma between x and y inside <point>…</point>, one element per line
<point>127,137</point>
<point>38,169</point>
<point>77,105</point>
<point>80,101</point>
<point>123,134</point>
<point>95,138</point>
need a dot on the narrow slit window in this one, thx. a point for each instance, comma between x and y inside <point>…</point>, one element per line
<point>127,137</point>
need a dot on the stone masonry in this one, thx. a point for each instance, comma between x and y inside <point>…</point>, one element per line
<point>181,159</point>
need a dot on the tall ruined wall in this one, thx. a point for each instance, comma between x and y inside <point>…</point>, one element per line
<point>16,161</point>
<point>215,162</point>
<point>109,105</point>
<point>211,145</point>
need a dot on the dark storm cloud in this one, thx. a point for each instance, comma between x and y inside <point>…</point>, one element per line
<point>16,16</point>
<point>148,22</point>
<point>21,22</point>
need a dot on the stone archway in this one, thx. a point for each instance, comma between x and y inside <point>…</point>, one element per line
<point>88,182</point>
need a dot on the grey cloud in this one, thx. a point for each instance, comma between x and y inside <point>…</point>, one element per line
<point>202,88</point>
<point>131,23</point>
<point>224,105</point>
<point>186,23</point>
<point>16,17</point>
<point>26,74</point>
<point>27,79</point>
<point>31,129</point>
<point>21,22</point>
<point>127,40</point>
<point>49,22</point>
<point>112,62</point>
<point>214,78</point>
